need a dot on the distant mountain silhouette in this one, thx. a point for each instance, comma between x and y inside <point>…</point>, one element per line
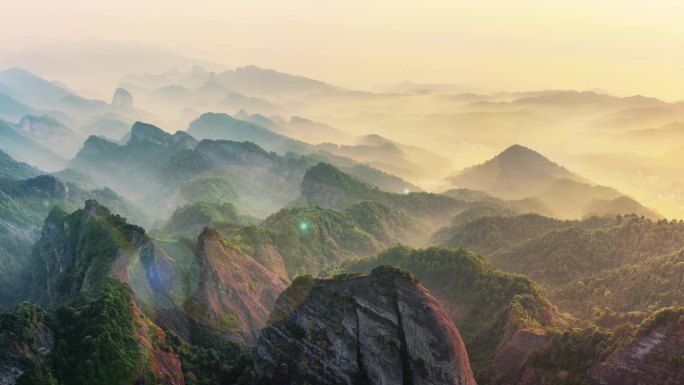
<point>515,173</point>
<point>519,172</point>
<point>29,86</point>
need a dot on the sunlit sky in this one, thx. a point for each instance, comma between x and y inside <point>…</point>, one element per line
<point>625,46</point>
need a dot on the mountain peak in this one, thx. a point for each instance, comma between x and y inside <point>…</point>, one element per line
<point>517,172</point>
<point>31,86</point>
<point>122,99</point>
<point>13,169</point>
<point>362,327</point>
<point>144,131</point>
<point>520,158</point>
<point>517,150</point>
<point>17,71</point>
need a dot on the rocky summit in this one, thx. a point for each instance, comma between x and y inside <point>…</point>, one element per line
<point>122,99</point>
<point>381,328</point>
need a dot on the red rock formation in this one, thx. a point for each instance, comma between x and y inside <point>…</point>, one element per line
<point>235,294</point>
<point>512,354</point>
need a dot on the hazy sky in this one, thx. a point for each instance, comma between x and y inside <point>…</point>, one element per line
<point>625,46</point>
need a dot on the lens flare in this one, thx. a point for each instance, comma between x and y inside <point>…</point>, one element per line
<point>163,274</point>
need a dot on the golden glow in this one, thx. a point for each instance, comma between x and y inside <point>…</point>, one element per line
<point>627,47</point>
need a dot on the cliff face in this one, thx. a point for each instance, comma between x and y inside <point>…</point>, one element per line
<point>215,285</point>
<point>496,312</point>
<point>383,328</point>
<point>76,251</point>
<point>512,354</point>
<point>92,253</point>
<point>235,294</point>
<point>122,99</point>
<point>80,254</point>
<point>655,356</point>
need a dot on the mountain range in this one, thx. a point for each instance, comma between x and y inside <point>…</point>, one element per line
<point>288,231</point>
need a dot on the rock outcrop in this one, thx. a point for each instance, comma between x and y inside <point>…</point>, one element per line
<point>213,284</point>
<point>122,99</point>
<point>497,313</point>
<point>76,252</point>
<point>382,328</point>
<point>655,356</point>
<point>235,294</point>
<point>512,354</point>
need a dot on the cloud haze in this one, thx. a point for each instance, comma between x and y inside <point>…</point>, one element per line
<point>627,47</point>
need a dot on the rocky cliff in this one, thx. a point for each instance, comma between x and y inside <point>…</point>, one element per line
<point>77,251</point>
<point>122,99</point>
<point>235,294</point>
<point>113,275</point>
<point>497,313</point>
<point>213,283</point>
<point>382,328</point>
<point>655,355</point>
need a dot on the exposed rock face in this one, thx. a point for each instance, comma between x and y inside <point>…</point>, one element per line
<point>122,99</point>
<point>384,328</point>
<point>215,285</point>
<point>235,294</point>
<point>165,366</point>
<point>79,253</point>
<point>654,357</point>
<point>76,252</point>
<point>512,354</point>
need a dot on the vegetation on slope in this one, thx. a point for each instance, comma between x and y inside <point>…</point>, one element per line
<point>96,339</point>
<point>572,352</point>
<point>327,186</point>
<point>488,234</point>
<point>560,256</point>
<point>92,238</point>
<point>191,219</point>
<point>311,239</point>
<point>212,359</point>
<point>11,169</point>
<point>635,289</point>
<point>209,189</point>
<point>86,340</point>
